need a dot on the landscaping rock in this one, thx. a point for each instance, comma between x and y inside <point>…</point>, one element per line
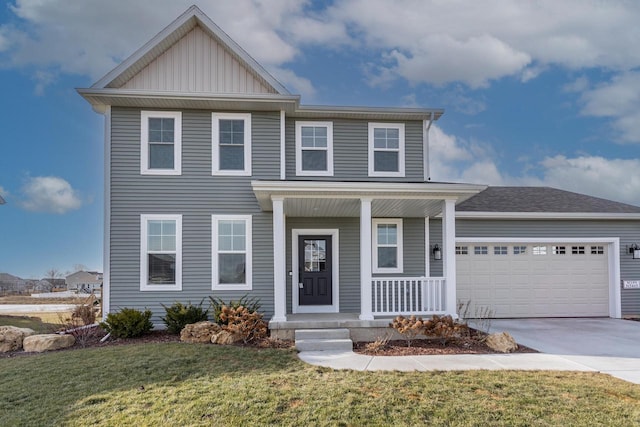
<point>200,332</point>
<point>11,338</point>
<point>225,338</point>
<point>502,342</point>
<point>47,342</point>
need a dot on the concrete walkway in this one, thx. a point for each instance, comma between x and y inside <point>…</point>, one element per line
<point>588,354</point>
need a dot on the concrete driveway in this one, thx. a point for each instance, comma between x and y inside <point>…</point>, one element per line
<point>610,346</point>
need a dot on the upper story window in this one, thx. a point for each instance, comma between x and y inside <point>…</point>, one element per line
<point>160,142</point>
<point>161,252</point>
<point>386,149</point>
<point>387,245</point>
<point>232,254</point>
<point>231,144</point>
<point>314,148</point>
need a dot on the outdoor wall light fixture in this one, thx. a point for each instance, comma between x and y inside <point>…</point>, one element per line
<point>437,252</point>
<point>635,250</point>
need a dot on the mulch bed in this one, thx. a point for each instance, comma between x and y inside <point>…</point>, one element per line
<point>472,345</point>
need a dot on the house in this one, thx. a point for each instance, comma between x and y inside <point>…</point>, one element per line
<point>10,284</point>
<point>218,181</point>
<point>84,281</point>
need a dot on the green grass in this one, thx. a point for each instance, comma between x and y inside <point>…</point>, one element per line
<point>188,384</point>
<point>35,323</point>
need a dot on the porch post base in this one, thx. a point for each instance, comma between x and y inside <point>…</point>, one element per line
<point>278,319</point>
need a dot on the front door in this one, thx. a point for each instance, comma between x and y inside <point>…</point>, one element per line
<point>314,277</point>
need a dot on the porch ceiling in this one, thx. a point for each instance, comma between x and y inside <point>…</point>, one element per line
<point>342,199</point>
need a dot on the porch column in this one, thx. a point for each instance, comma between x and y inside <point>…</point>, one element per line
<point>279,264</point>
<point>449,254</point>
<point>365,259</point>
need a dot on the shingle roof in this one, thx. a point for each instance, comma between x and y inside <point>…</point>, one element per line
<point>540,199</point>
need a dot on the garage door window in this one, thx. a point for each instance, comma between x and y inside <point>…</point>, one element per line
<point>597,250</point>
<point>577,250</point>
<point>519,250</point>
<point>500,250</point>
<point>539,250</point>
<point>558,250</point>
<point>462,250</point>
<point>480,250</point>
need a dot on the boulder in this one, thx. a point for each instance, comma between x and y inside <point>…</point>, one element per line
<point>502,342</point>
<point>11,338</point>
<point>47,342</point>
<point>200,332</point>
<point>225,338</point>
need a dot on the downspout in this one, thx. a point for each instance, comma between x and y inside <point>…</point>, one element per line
<point>425,148</point>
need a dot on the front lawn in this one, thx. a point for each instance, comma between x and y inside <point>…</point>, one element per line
<point>188,384</point>
<point>39,325</point>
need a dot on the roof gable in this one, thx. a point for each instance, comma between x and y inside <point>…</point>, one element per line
<point>192,54</point>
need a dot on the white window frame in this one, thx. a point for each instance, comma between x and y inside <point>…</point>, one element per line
<point>328,149</point>
<point>145,115</point>
<point>399,245</point>
<point>215,285</point>
<point>144,251</point>
<point>400,150</point>
<point>215,144</point>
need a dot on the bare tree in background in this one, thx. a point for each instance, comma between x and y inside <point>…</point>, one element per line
<point>51,275</point>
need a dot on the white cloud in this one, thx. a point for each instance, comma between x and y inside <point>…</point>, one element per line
<point>454,160</point>
<point>620,100</point>
<point>49,194</point>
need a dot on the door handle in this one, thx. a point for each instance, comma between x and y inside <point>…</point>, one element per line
<point>301,285</point>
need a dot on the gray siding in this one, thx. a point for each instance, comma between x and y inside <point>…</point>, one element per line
<point>435,238</point>
<point>627,231</point>
<point>350,152</point>
<point>196,195</point>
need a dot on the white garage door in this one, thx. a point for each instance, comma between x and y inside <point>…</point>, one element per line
<point>535,279</point>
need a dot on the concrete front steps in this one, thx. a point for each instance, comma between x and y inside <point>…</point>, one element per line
<point>323,340</point>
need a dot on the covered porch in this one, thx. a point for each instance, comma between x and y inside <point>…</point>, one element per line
<point>303,214</point>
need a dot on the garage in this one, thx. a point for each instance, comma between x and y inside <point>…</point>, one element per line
<point>535,279</point>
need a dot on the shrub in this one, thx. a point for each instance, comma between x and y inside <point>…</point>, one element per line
<point>251,304</point>
<point>84,314</point>
<point>128,323</point>
<point>444,328</point>
<point>180,315</point>
<point>409,328</point>
<point>246,324</point>
<point>378,345</point>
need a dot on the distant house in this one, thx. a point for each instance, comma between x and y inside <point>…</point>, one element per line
<point>10,284</point>
<point>84,281</point>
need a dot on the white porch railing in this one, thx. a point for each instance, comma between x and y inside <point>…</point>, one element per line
<point>408,295</point>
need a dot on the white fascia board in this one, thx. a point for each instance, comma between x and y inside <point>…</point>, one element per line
<point>368,187</point>
<point>537,239</point>
<point>546,215</point>
<point>199,17</point>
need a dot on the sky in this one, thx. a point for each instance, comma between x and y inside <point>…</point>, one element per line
<point>534,92</point>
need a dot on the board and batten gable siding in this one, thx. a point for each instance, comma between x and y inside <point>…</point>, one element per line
<point>627,230</point>
<point>197,63</point>
<point>350,152</point>
<point>196,195</point>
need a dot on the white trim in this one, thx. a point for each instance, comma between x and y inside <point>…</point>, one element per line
<point>449,255</point>
<point>375,222</point>
<point>144,272</point>
<point>426,166</point>
<point>215,219</point>
<point>283,146</point>
<point>145,115</point>
<point>615,302</point>
<point>427,248</point>
<point>335,271</point>
<point>400,150</point>
<point>106,262</point>
<point>279,261</point>
<point>328,149</point>
<point>546,215</point>
<point>215,144</point>
<point>366,293</point>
